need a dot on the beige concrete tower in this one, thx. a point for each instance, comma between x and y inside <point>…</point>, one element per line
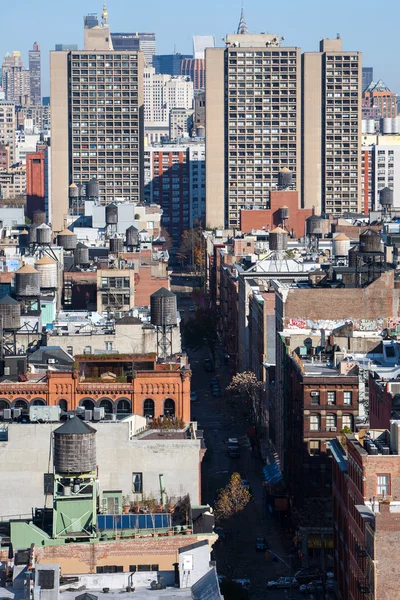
<point>331,129</point>
<point>97,123</point>
<point>253,118</point>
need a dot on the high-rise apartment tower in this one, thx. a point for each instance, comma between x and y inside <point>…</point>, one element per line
<point>35,74</point>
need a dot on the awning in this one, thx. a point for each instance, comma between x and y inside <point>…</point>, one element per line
<point>272,473</point>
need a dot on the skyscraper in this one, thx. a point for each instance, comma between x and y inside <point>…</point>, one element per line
<point>367,77</point>
<point>15,79</point>
<point>97,121</point>
<point>268,109</point>
<point>200,43</point>
<point>253,128</point>
<point>146,42</point>
<point>331,129</point>
<point>35,74</point>
<point>7,128</point>
<point>163,92</point>
<point>378,95</point>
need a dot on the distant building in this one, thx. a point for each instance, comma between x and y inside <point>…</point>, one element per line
<point>35,75</point>
<point>125,41</point>
<point>367,77</point>
<point>175,179</point>
<point>37,181</point>
<point>16,82</point>
<point>146,42</point>
<point>180,123</point>
<point>195,68</point>
<point>65,47</point>
<point>168,64</point>
<point>162,93</point>
<point>7,128</point>
<point>200,43</point>
<point>379,96</point>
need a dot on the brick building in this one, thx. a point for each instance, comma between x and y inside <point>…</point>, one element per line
<point>195,68</point>
<point>272,217</point>
<point>37,181</point>
<point>366,488</point>
<point>121,384</point>
<point>320,400</point>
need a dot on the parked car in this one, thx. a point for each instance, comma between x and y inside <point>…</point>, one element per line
<point>261,544</point>
<point>283,583</point>
<point>307,575</point>
<point>216,392</point>
<point>246,485</point>
<point>209,365</point>
<point>213,382</point>
<point>193,397</point>
<point>233,448</point>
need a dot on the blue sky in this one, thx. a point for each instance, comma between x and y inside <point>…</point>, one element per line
<point>364,25</point>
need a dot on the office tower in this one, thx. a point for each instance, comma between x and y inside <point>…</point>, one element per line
<point>200,43</point>
<point>367,77</point>
<point>331,129</point>
<point>252,123</point>
<point>35,74</point>
<point>63,47</point>
<point>168,64</point>
<point>97,121</point>
<point>195,68</point>
<point>125,41</point>
<point>16,84</point>
<point>7,129</point>
<point>163,92</point>
<point>377,95</point>
<point>146,42</point>
<point>90,21</point>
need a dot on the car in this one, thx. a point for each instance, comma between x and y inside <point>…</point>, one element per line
<point>307,575</point>
<point>261,544</point>
<point>221,536</point>
<point>209,365</point>
<point>216,392</point>
<point>213,382</point>
<point>246,485</point>
<point>193,397</point>
<point>244,582</point>
<point>282,583</point>
<point>192,308</point>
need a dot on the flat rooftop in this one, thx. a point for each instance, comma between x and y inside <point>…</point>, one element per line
<point>140,593</point>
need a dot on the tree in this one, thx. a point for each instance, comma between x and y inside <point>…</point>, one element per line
<point>190,249</point>
<point>247,385</point>
<point>232,499</point>
<point>168,239</point>
<point>201,331</point>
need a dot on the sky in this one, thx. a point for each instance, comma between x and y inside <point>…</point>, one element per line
<point>363,25</point>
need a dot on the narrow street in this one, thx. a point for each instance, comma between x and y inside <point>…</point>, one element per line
<point>236,560</point>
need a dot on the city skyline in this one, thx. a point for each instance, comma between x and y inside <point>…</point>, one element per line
<point>306,23</point>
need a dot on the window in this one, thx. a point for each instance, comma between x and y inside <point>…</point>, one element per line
<point>347,421</point>
<point>315,447</point>
<point>331,397</point>
<point>330,422</point>
<point>383,485</point>
<point>314,397</point>
<point>87,350</point>
<point>132,568</point>
<point>148,408</point>
<point>110,569</point>
<point>137,483</point>
<point>46,580</point>
<point>142,568</point>
<point>347,397</point>
<point>315,421</point>
<point>108,346</point>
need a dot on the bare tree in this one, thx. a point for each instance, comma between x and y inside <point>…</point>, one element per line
<point>247,386</point>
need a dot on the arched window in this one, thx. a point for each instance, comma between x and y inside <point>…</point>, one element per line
<point>124,406</point>
<point>21,403</point>
<point>148,408</point>
<point>315,422</point>
<point>4,404</point>
<point>38,402</point>
<point>63,404</point>
<point>347,421</point>
<point>169,408</point>
<point>87,403</point>
<point>330,422</point>
<point>107,404</point>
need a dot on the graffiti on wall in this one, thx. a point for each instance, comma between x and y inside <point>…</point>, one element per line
<point>358,324</point>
